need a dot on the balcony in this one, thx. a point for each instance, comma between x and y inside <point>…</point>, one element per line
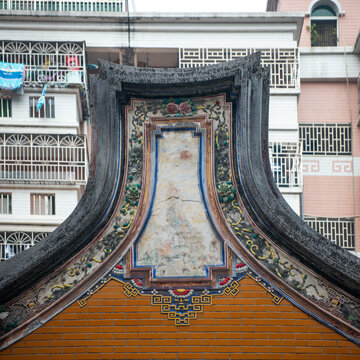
<point>57,64</point>
<point>12,243</point>
<point>285,160</point>
<point>283,63</point>
<point>60,6</point>
<point>34,158</point>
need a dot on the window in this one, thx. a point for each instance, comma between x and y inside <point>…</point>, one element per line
<point>323,29</point>
<point>5,203</point>
<point>340,231</point>
<point>5,107</point>
<point>325,139</point>
<point>46,111</point>
<point>42,204</point>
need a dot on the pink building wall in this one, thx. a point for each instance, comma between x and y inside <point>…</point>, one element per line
<point>325,193</point>
<point>331,102</point>
<point>331,196</point>
<point>348,25</point>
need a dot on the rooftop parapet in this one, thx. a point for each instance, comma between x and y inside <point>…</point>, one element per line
<point>91,6</point>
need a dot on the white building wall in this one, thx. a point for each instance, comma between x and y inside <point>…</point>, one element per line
<point>293,199</point>
<point>283,119</point>
<point>65,202</point>
<point>66,118</point>
<point>168,30</point>
<point>283,112</point>
<point>337,64</point>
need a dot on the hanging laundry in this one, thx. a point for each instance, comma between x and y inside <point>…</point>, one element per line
<point>41,100</point>
<point>11,75</point>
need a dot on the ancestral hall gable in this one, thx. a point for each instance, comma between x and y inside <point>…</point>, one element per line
<point>181,210</point>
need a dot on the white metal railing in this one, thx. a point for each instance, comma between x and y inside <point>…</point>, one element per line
<point>14,242</point>
<point>340,231</point>
<point>50,158</point>
<point>325,139</point>
<point>283,63</point>
<point>45,62</point>
<point>94,6</point>
<point>285,160</point>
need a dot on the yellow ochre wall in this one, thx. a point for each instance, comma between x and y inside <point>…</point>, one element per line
<point>247,326</point>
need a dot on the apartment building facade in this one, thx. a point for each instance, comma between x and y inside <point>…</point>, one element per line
<point>107,31</point>
<point>43,151</point>
<point>328,115</point>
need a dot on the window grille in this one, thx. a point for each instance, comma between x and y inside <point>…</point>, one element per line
<point>283,63</point>
<point>325,139</point>
<point>340,231</point>
<point>324,33</point>
<point>12,243</point>
<point>285,160</point>
<point>5,108</point>
<point>323,29</point>
<point>5,203</point>
<point>42,204</point>
<point>46,111</point>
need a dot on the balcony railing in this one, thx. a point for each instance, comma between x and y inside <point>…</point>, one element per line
<point>45,158</point>
<point>14,242</point>
<point>91,6</point>
<point>340,231</point>
<point>325,139</point>
<point>285,160</point>
<point>284,63</point>
<point>45,62</point>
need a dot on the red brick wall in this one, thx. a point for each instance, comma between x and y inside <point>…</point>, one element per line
<point>248,326</point>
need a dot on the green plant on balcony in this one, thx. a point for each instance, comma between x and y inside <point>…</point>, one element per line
<point>314,35</point>
<point>323,33</point>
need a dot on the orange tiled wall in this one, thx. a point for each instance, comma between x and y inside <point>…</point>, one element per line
<point>248,326</point>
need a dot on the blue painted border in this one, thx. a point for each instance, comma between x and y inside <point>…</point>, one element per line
<point>156,135</point>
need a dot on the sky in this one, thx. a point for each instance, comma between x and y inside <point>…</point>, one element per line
<point>198,5</point>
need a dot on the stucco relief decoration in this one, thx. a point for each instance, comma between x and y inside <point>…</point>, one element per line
<point>342,166</point>
<point>177,205</point>
<point>311,166</point>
